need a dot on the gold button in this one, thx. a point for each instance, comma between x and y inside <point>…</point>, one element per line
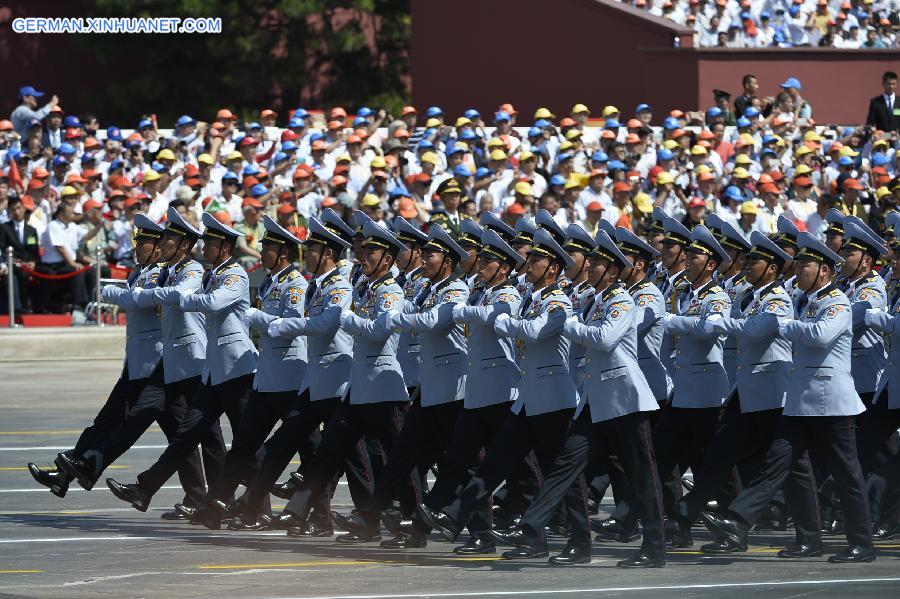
<point>524,372</point>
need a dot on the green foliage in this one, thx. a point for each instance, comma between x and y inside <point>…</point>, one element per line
<point>271,53</point>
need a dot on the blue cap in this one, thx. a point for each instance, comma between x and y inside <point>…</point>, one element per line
<point>259,190</point>
<point>184,120</point>
<point>482,172</point>
<point>425,145</point>
<point>535,131</point>
<point>544,245</point>
<point>281,156</point>
<point>321,233</point>
<point>750,112</point>
<point>490,221</point>
<point>316,136</point>
<point>612,124</point>
<point>643,107</point>
<point>364,112</point>
<point>250,170</point>
<point>734,25</point>
<point>565,156</point>
<point>216,230</point>
<point>629,243</point>
<point>336,225</point>
<point>557,179</point>
<point>433,111</point>
<point>399,192</point>
<point>878,159</point>
<point>275,233</point>
<point>858,235</point>
<point>743,122</point>
<point>301,113</point>
<point>296,122</point>
<point>71,121</point>
<point>544,220</point>
<point>791,82</point>
<point>176,225</point>
<point>29,91</point>
<point>88,157</point>
<point>501,116</point>
<point>252,126</point>
<point>765,15</point>
<point>671,123</point>
<point>360,122</point>
<point>816,251</point>
<point>769,152</point>
<point>288,146</point>
<point>767,139</point>
<point>578,239</point>
<point>407,233</point>
<point>230,176</point>
<point>746,15</point>
<point>675,231</point>
<point>461,170</point>
<point>733,193</point>
<point>714,112</point>
<point>616,165</point>
<point>543,123</point>
<point>113,133</point>
<point>144,227</point>
<point>599,156</point>
<point>145,124</point>
<point>156,166</point>
<point>665,154</point>
<point>845,161</point>
<point>766,249</point>
<point>703,241</point>
<point>470,234</point>
<point>454,149</point>
<point>378,236</point>
<point>779,33</point>
<point>115,165</point>
<point>66,148</point>
<point>605,247</point>
<point>468,135</point>
<point>58,160</point>
<point>494,246</point>
<point>472,114</point>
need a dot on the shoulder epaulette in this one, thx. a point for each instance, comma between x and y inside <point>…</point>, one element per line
<point>834,293</point>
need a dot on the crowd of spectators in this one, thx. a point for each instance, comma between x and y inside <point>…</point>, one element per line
<point>782,23</point>
<point>69,186</point>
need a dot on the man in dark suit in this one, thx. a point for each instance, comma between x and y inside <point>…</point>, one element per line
<point>884,110</point>
<point>23,238</point>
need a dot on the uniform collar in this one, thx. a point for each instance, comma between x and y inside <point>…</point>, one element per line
<point>758,293</point>
<point>638,284</point>
<point>325,276</point>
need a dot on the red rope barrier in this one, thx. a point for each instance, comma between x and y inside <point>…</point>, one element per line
<point>47,277</point>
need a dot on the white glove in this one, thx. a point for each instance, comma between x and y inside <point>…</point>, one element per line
<point>572,319</point>
<point>273,326</point>
<point>782,327</point>
<point>870,315</point>
<point>248,313</point>
<point>668,317</point>
<point>109,293</point>
<point>502,317</point>
<point>138,289</point>
<point>458,312</point>
<point>346,316</point>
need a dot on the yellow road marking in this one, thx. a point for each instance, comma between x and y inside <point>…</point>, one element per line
<point>283,565</point>
<point>21,571</point>
<point>21,469</point>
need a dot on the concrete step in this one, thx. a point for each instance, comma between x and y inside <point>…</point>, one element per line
<point>62,343</point>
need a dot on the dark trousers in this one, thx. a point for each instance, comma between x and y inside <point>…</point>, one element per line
<point>210,402</point>
<point>76,286</point>
<point>877,425</point>
<point>739,438</point>
<point>831,442</point>
<point>19,287</point>
<point>629,437</point>
<point>519,434</point>
<point>343,433</point>
<point>425,435</point>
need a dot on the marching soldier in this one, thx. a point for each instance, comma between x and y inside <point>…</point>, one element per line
<point>230,361</point>
<point>522,243</point>
<point>413,280</point>
<point>612,417</point>
<point>330,219</point>
<point>753,412</point>
<point>656,272</point>
<point>547,397</point>
<point>581,293</point>
<point>819,415</point>
<point>490,221</point>
<point>470,241</point>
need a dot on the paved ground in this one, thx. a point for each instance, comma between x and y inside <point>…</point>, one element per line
<point>91,544</point>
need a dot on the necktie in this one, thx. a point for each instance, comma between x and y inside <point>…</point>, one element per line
<point>264,287</point>
<point>801,305</point>
<point>525,305</point>
<point>20,227</point>
<point>587,309</point>
<point>748,297</point>
<point>310,292</point>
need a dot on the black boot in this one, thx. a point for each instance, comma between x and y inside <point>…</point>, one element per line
<point>76,469</point>
<point>56,481</point>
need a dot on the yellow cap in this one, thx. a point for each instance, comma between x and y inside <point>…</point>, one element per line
<point>643,203</point>
<point>573,182</point>
<point>566,145</point>
<point>429,157</point>
<point>205,158</point>
<point>344,158</point>
<point>742,159</point>
<point>150,175</point>
<point>71,191</point>
<point>370,199</point>
<point>880,142</point>
<point>608,110</point>
<point>580,108</point>
<point>166,154</point>
<point>378,162</point>
<point>747,138</point>
<point>664,177</point>
<point>802,170</point>
<point>499,155</point>
<point>848,151</point>
<point>698,151</point>
<point>811,136</point>
<point>461,121</point>
<point>749,207</point>
<point>524,188</point>
<point>702,168</point>
<point>802,151</point>
<point>573,134</point>
<point>235,155</point>
<point>882,191</point>
<point>740,173</point>
<point>543,113</point>
<point>496,142</point>
<point>526,155</point>
<point>433,123</point>
<point>670,144</point>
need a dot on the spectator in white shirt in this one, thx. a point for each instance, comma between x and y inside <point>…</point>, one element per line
<point>60,243</point>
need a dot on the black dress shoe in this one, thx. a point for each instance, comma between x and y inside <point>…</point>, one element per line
<point>352,538</point>
<point>613,530</point>
<point>297,478</point>
<point>593,506</point>
<point>476,545</point>
<point>854,554</point>
<point>799,550</point>
<point>724,546</point>
<point>572,555</point>
<point>882,532</point>
<point>76,469</point>
<point>313,528</point>
<point>248,523</point>
<point>722,526</point>
<point>678,532</point>
<point>362,523</point>
<point>340,521</point>
<point>286,520</point>
<point>833,527</point>
<point>405,542</point>
<point>174,514</point>
<point>284,490</point>
<point>643,560</point>
<point>132,494</point>
<point>209,517</point>
<point>527,552</point>
<point>56,481</point>
<point>185,511</point>
<point>512,537</point>
<point>775,517</point>
<point>439,521</point>
<point>400,527</point>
